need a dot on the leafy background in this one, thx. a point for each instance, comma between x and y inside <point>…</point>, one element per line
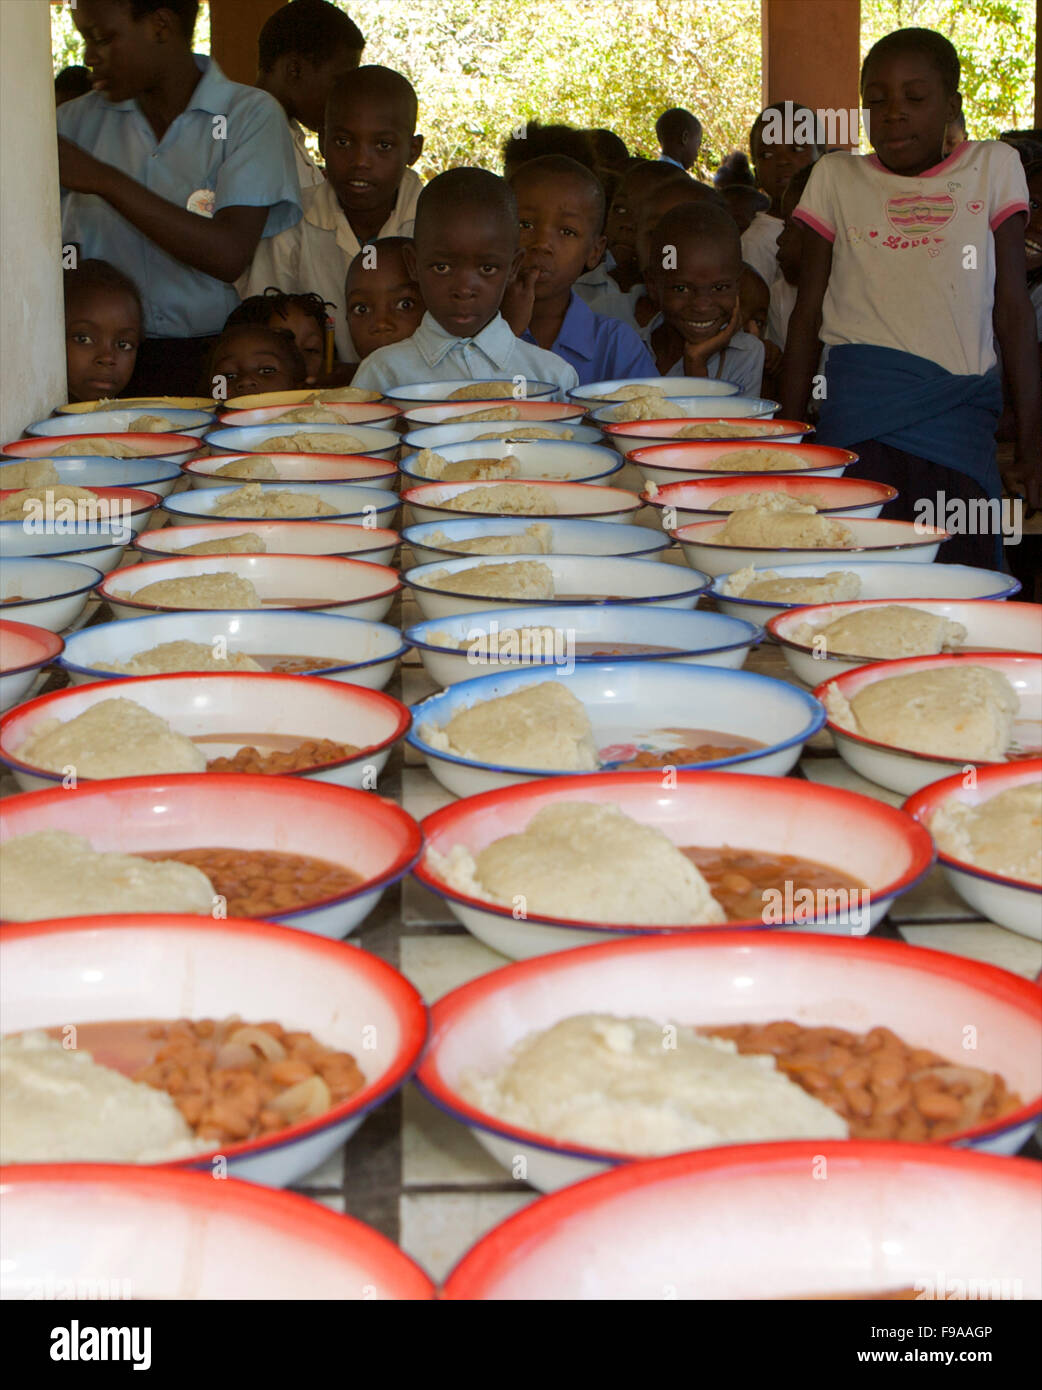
<point>482,70</point>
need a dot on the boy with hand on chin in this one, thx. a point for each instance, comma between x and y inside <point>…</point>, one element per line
<point>464,254</point>
<point>369,191</point>
<point>172,173</point>
<point>694,273</point>
<point>561,213</point>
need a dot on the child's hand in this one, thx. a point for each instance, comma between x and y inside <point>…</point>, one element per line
<point>697,354</point>
<point>519,299</point>
<point>78,171</point>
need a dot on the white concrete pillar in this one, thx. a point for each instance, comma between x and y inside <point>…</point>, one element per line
<point>32,321</point>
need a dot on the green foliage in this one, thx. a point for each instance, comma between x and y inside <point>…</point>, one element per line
<point>67,46</point>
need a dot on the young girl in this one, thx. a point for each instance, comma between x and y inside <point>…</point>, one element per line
<point>907,263</point>
<point>102,330</point>
<point>305,316</point>
<point>249,359</point>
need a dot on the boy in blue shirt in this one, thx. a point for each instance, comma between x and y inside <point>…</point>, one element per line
<point>464,254</point>
<point>561,210</point>
<point>174,174</point>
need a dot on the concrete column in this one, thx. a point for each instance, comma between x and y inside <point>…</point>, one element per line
<point>234,27</point>
<point>32,319</point>
<point>811,52</point>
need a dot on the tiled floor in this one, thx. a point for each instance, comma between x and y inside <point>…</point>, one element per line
<point>422,1179</point>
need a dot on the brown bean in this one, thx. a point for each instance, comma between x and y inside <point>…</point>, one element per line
<point>935,1105</point>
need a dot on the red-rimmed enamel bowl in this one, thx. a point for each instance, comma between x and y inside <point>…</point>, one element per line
<point>927,997</point>
<point>169,966</point>
<point>173,447</point>
<point>24,652</point>
<point>299,468</point>
<point>350,413</point>
<point>1015,903</point>
<point>633,436</point>
<point>240,704</point>
<point>355,830</point>
<point>434,502</point>
<point>872,842</point>
<point>310,583</point>
<point>102,1230</point>
<point>692,500</point>
<point>529,412</point>
<point>902,770</point>
<point>824,1219</point>
<point>289,400</point>
<point>372,543</point>
<point>874,540</point>
<point>64,526</point>
<point>364,441</point>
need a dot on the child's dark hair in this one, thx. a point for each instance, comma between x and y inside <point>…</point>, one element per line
<point>539,140</point>
<point>673,124</point>
<point>799,114</point>
<point>1029,150</point>
<point>261,308</point>
<point>467,190</point>
<point>734,169</point>
<point>562,164</point>
<point>939,50</point>
<point>282,337</point>
<point>185,11</point>
<point>703,220</point>
<point>310,29</point>
<point>387,243</point>
<point>608,148</point>
<point>72,82</point>
<point>92,275</point>
<point>376,83</point>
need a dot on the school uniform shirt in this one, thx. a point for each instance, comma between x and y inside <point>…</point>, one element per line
<point>668,159</point>
<point>434,354</point>
<point>913,258</point>
<point>308,172</point>
<point>595,284</point>
<point>742,360</point>
<point>251,164</point>
<point>783,301</point>
<point>760,245</point>
<point>313,257</point>
<point>599,348</point>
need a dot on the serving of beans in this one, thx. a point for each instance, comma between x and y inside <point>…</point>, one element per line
<point>310,753</point>
<point>883,1087</point>
<point>678,757</point>
<point>266,883</point>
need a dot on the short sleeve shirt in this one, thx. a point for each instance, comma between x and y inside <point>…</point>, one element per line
<point>598,347</point>
<point>913,258</point>
<point>230,147</point>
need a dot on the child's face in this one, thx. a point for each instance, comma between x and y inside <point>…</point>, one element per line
<point>311,84</point>
<point>755,300</point>
<point>621,226</point>
<point>775,164</point>
<point>250,363</point>
<point>462,268</point>
<point>651,212</point>
<point>560,230</point>
<point>102,333</point>
<point>790,249</point>
<point>121,51</point>
<point>1033,230</point>
<point>306,334</point>
<point>368,146</point>
<point>741,204</point>
<point>698,297</point>
<point>908,111</point>
<point>383,303</point>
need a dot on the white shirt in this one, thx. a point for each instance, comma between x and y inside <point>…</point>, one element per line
<point>668,159</point>
<point>308,172</point>
<point>783,301</point>
<point>760,245</point>
<point>433,354</point>
<point>913,258</point>
<point>314,255</point>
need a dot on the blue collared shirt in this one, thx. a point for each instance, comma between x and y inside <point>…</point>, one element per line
<point>599,348</point>
<point>231,140</point>
<point>742,360</point>
<point>434,354</point>
<point>668,159</point>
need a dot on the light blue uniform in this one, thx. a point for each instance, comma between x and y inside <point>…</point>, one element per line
<point>742,360</point>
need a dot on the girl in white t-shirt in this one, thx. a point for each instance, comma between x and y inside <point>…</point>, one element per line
<point>912,266</point>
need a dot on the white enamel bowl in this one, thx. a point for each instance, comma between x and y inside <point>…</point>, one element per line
<point>300,468</point>
<point>903,771</point>
<point>287,400</point>
<point>367,653</point>
<point>439,392</point>
<point>594,394</point>
<point>293,815</point>
<point>728,977</point>
<point>575,578</point>
<point>692,500</point>
<point>435,436</point>
<point>356,505</point>
<point>566,538</point>
<point>881,579</point>
<point>121,420</point>
<point>167,966</point>
<point>153,475</point>
<point>123,513</point>
<point>70,1225</point>
<point>373,442</point>
<point>883,540</point>
<point>695,406</point>
<point>576,501</point>
<point>350,412</point>
<point>625,701</point>
<point>24,652</point>
<point>53,592</point>
<point>538,458</point>
<point>682,1228</point>
<point>1007,627</point>
<point>541,412</point>
<point>322,583</point>
<point>376,544</point>
<point>673,468</point>
<point>1015,903</point>
<point>173,448</point>
<point>630,435</point>
<point>697,638</point>
<point>237,703</point>
<point>875,843</point>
